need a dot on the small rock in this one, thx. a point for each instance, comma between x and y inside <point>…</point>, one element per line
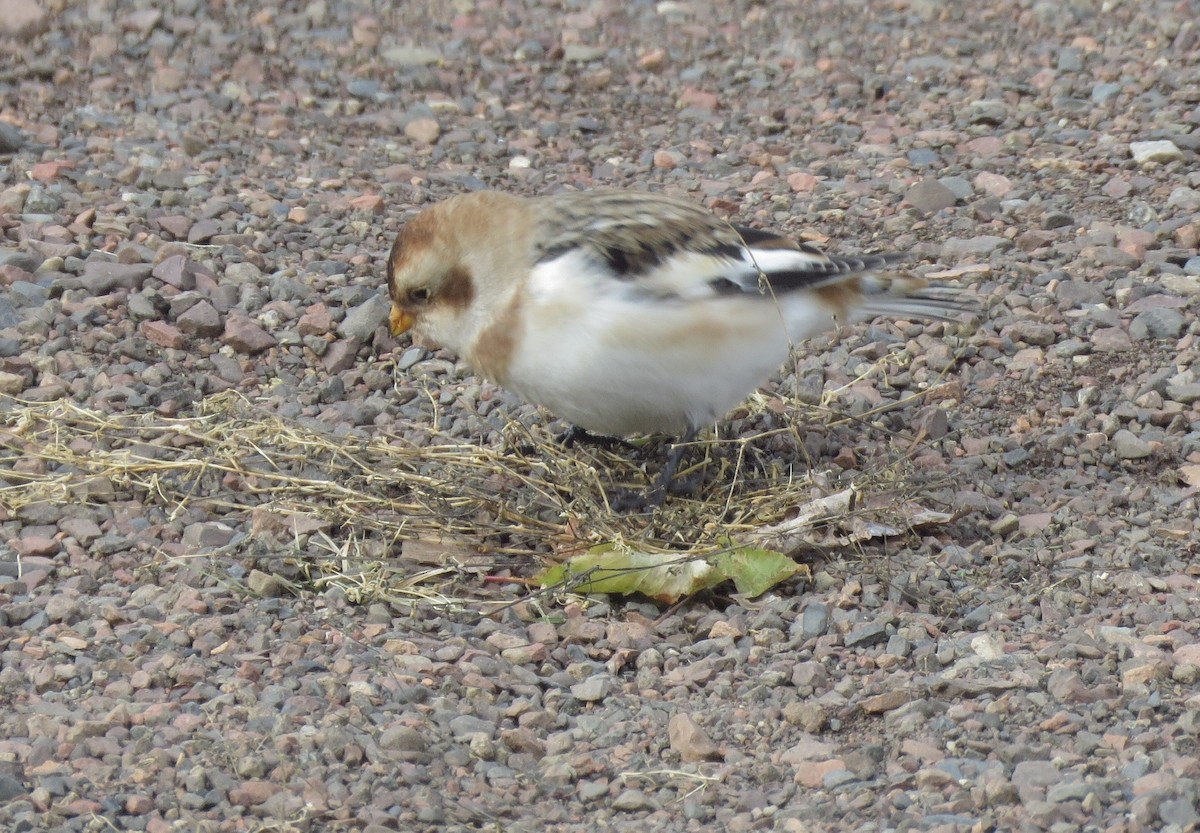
<point>691,742</point>
<point>815,620</point>
<point>581,53</point>
<point>402,739</point>
<point>886,702</point>
<point>253,793</point>
<point>363,88</point>
<point>425,131</point>
<point>100,276</point>
<point>1186,393</point>
<point>177,271</point>
<point>1111,340</point>
<point>1157,323</point>
<point>201,320</point>
<point>163,334</point>
<point>1160,152</point>
<point>10,788</point>
<point>22,18</point>
<point>410,56</point>
<point>11,383</point>
<point>993,185</point>
<point>930,196</point>
<point>246,336</point>
<point>361,322</point>
<point>207,534</point>
<point>864,636</point>
<point>592,689</point>
<point>980,246</point>
<point>1031,332</point>
<point>202,231</point>
<point>1031,778</point>
<point>1104,91</point>
<point>11,139</point>
<point>631,801</point>
<point>265,585</point>
<point>987,111</point>
<point>802,182</point>
<point>1129,446</point>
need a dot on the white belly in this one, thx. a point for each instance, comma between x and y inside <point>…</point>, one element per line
<point>628,365</point>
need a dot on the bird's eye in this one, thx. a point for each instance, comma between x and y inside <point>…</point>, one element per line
<point>419,295</point>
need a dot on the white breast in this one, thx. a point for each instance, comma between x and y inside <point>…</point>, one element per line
<point>614,360</point>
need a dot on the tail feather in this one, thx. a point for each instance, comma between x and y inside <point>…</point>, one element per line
<point>904,294</point>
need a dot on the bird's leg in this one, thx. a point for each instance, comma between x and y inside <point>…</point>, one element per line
<point>581,436</point>
<point>658,492</point>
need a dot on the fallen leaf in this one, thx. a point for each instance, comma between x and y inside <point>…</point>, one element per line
<point>610,568</point>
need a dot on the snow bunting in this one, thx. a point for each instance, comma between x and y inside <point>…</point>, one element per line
<point>627,312</point>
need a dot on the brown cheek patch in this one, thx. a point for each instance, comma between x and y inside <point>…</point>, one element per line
<point>457,289</point>
<point>494,348</point>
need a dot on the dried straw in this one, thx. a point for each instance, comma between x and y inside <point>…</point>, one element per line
<point>490,508</point>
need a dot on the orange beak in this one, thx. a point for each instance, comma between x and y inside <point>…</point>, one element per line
<point>400,320</point>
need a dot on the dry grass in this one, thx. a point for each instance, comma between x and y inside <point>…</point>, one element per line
<point>384,517</point>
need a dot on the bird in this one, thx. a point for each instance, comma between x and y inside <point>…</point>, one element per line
<point>630,312</point>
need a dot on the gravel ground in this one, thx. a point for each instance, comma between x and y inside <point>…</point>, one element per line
<point>197,198</point>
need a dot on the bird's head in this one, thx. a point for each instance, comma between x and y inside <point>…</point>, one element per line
<point>432,287</point>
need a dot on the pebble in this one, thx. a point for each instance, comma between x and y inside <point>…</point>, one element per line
<point>691,742</point>
<point>1128,446</point>
<point>930,196</point>
<point>410,56</point>
<point>1158,152</point>
<point>592,689</point>
<point>245,335</point>
<point>361,322</point>
<point>425,131</point>
<point>1156,324</point>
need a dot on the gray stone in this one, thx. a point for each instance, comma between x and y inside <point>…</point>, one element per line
<point>864,636</point>
<point>11,138</point>
<point>1185,393</point>
<point>10,787</point>
<point>1129,446</point>
<point>363,88</point>
<point>975,246</point>
<point>1179,812</point>
<point>631,801</point>
<point>361,322</point>
<point>593,688</point>
<point>22,260</point>
<point>207,535</point>
<point>1186,199</point>
<point>1031,332</point>
<point>466,725</point>
<point>1103,91</point>
<point>1159,152</point>
<point>102,276</point>
<point>1031,778</point>
<point>410,56</point>
<point>987,111</point>
<point>178,271</point>
<point>581,53</point>
<point>815,620</point>
<point>929,196</point>
<point>959,186</point>
<point>922,157</point>
<point>1157,323</point>
<point>201,320</point>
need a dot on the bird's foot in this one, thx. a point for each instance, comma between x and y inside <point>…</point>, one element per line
<point>580,436</point>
